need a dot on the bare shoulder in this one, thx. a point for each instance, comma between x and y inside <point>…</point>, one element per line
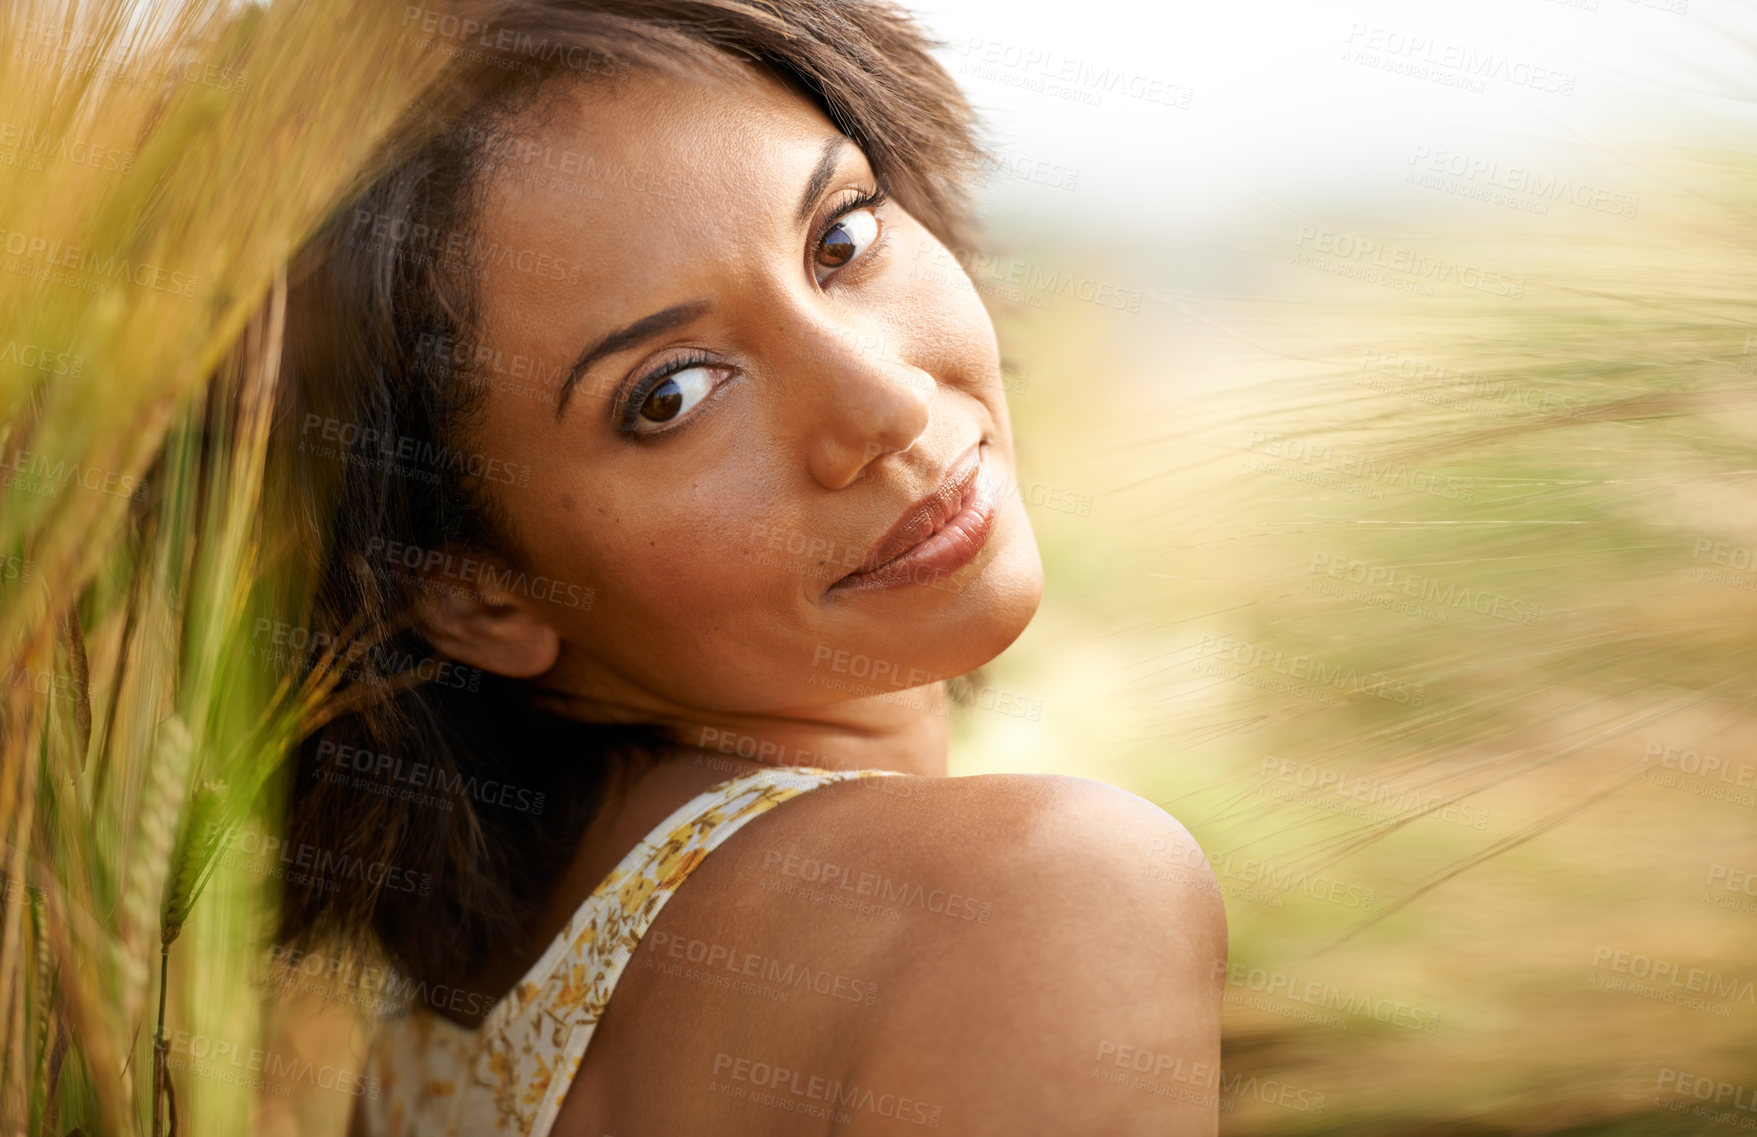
<point>1056,956</point>
<point>1033,842</point>
<point>988,955</point>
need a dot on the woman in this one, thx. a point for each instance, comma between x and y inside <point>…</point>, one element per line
<point>663,470</point>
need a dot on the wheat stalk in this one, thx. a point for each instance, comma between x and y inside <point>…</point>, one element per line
<point>153,591</point>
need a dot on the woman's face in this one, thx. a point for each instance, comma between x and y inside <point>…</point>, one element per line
<point>778,372</point>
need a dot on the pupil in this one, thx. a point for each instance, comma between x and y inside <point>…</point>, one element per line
<point>664,403</point>
<point>838,247</point>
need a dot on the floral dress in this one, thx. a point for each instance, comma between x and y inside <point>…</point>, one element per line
<point>508,1075</point>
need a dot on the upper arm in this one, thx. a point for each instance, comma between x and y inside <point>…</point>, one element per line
<point>1088,1000</point>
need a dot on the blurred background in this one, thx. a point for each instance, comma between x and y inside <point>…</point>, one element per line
<point>1381,375</point>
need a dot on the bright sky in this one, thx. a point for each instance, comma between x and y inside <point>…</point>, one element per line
<point>1327,104</point>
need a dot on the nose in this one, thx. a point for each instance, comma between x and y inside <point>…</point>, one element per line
<point>860,400</point>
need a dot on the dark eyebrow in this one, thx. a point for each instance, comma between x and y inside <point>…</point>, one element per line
<point>820,177</point>
<point>626,337</point>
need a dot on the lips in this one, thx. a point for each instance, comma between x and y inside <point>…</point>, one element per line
<point>935,535</point>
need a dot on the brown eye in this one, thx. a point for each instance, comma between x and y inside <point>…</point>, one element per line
<point>848,238</point>
<point>676,395</point>
<point>664,403</point>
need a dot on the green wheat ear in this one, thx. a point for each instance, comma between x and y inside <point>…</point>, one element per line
<point>203,831</point>
<point>150,856</point>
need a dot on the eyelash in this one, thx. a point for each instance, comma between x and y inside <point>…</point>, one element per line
<point>637,398</point>
<point>866,199</point>
<point>638,395</point>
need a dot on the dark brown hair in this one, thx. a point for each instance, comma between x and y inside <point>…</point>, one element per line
<point>409,851</point>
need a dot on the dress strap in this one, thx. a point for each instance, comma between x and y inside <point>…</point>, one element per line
<point>532,1043</point>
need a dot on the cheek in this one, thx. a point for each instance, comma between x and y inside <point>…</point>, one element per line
<point>939,311</point>
<point>680,571</point>
<point>929,278</point>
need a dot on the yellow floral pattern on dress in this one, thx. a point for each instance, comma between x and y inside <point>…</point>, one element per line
<point>508,1075</point>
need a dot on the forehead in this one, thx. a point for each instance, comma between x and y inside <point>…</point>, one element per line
<point>623,188</point>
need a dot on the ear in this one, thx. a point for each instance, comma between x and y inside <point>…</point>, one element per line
<point>464,614</point>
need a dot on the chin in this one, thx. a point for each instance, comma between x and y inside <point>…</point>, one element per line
<point>951,629</point>
<point>1003,594</point>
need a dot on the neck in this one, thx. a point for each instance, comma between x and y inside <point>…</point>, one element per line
<point>913,743</point>
<point>907,731</point>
